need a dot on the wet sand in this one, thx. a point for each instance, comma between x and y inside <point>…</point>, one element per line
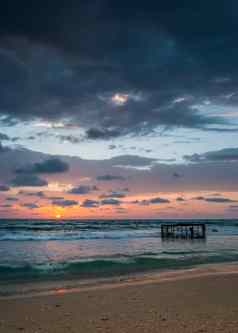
<point>200,300</point>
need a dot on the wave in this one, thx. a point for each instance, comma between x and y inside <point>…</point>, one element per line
<point>100,267</point>
<point>82,235</point>
<point>86,235</point>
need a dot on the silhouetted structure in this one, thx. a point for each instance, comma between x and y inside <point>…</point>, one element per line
<point>184,230</point>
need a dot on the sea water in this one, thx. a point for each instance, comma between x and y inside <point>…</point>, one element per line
<point>66,249</point>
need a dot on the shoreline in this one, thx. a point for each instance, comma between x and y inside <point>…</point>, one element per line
<point>68,286</point>
<point>198,300</point>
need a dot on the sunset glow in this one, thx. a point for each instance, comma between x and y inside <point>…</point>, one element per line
<point>137,120</point>
<point>118,166</point>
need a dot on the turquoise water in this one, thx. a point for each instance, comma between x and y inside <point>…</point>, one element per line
<point>42,250</point>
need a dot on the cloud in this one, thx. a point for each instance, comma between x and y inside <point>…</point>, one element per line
<point>223,155</point>
<point>88,203</point>
<point>11,199</point>
<point>164,159</point>
<point>55,198</point>
<point>65,203</point>
<point>109,177</point>
<point>4,188</point>
<point>212,177</point>
<point>31,137</point>
<point>180,199</point>
<point>153,201</point>
<point>199,198</point>
<point>111,201</point>
<point>97,133</point>
<point>4,137</point>
<point>30,205</point>
<point>69,138</point>
<point>177,175</point>
<point>114,194</point>
<point>39,194</point>
<point>53,165</point>
<point>158,200</point>
<point>112,147</point>
<point>133,161</point>
<point>215,199</point>
<point>220,200</point>
<point>83,189</point>
<point>6,206</point>
<point>121,210</point>
<point>3,149</point>
<point>24,180</point>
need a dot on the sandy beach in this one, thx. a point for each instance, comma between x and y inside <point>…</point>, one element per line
<point>196,300</point>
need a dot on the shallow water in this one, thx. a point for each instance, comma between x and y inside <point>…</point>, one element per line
<point>38,250</point>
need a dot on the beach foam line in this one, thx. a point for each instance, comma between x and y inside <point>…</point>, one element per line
<point>136,279</point>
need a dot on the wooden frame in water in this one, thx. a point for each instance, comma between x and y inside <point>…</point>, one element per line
<point>184,230</point>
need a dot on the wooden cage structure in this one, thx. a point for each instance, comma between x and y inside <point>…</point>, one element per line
<point>184,230</point>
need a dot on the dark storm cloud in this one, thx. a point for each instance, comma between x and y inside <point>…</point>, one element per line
<point>164,58</point>
<point>4,137</point>
<point>83,189</point>
<point>224,155</point>
<point>65,203</point>
<point>97,133</point>
<point>24,180</point>
<point>50,166</point>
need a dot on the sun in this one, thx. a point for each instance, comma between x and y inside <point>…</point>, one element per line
<point>58,216</point>
<point>120,99</point>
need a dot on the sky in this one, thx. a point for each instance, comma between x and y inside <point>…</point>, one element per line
<point>118,109</point>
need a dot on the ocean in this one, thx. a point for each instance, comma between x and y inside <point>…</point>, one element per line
<point>38,250</point>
